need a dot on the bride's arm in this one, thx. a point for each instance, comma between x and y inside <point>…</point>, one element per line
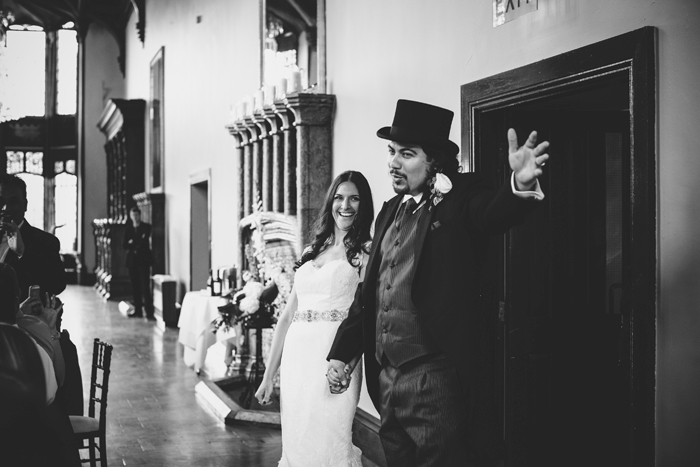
<point>365,259</point>
<point>350,366</point>
<point>283,322</point>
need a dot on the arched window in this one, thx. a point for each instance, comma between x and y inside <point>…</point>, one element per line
<point>29,167</point>
<point>39,140</point>
<point>66,203</point>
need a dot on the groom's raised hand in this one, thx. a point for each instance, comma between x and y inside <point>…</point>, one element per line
<point>527,160</point>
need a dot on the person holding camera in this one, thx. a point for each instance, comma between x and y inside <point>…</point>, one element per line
<point>32,253</point>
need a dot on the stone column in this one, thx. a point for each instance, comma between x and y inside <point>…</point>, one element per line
<point>313,118</point>
<point>241,138</point>
<point>277,167</point>
<point>247,171</point>
<point>289,168</point>
<point>256,159</point>
<point>260,120</point>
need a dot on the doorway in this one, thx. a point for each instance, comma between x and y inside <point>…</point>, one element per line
<point>574,289</point>
<point>200,231</point>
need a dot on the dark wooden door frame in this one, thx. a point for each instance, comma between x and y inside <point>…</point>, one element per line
<point>632,53</point>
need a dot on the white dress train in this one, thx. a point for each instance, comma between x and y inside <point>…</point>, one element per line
<point>317,425</point>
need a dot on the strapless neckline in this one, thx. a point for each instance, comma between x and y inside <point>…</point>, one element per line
<point>317,267</point>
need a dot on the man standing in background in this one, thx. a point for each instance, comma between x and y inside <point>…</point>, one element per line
<point>139,258</point>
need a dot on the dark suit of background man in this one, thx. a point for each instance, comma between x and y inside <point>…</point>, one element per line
<point>32,253</point>
<point>416,316</point>
<point>139,258</point>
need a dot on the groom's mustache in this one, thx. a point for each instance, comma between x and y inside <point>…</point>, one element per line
<point>397,173</point>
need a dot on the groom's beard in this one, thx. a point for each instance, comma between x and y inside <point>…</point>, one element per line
<point>399,189</point>
<point>399,182</point>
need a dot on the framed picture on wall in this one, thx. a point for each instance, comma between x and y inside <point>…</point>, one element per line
<point>156,135</point>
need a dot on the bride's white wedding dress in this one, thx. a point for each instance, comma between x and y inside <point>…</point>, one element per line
<point>317,425</point>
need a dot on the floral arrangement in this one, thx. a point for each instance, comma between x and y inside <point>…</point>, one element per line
<point>251,305</point>
<point>440,185</point>
<point>226,318</point>
<point>249,297</point>
<point>267,283</point>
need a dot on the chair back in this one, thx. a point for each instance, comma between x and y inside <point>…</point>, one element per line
<point>101,361</point>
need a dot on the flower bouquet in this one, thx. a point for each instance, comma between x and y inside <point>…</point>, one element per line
<point>250,306</point>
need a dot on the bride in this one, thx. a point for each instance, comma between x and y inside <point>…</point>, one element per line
<point>317,425</point>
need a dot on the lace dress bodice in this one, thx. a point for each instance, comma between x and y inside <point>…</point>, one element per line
<point>328,287</point>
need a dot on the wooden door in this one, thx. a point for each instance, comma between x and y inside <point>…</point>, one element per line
<point>564,355</point>
<point>576,285</point>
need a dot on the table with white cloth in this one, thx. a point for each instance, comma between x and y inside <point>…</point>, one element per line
<point>198,311</point>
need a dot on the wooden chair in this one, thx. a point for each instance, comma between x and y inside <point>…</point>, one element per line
<point>90,429</point>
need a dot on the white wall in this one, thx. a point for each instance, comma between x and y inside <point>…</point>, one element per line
<point>383,50</point>
<point>424,50</point>
<point>208,66</point>
<point>103,81</point>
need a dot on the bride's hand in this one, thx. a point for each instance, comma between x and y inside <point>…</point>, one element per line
<point>264,392</point>
<point>338,379</point>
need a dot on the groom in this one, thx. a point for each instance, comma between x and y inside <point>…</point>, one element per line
<point>416,314</point>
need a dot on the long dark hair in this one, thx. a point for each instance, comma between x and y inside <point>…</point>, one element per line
<point>358,236</point>
<point>442,160</point>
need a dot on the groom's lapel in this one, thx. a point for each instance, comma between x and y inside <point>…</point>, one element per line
<point>380,228</point>
<point>422,229</point>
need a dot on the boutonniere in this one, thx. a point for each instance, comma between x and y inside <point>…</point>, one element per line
<point>440,185</point>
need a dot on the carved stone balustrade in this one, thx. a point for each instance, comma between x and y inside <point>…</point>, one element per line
<point>284,159</point>
<point>111,273</point>
<point>284,165</point>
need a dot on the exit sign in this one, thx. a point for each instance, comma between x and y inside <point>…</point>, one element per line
<point>508,10</point>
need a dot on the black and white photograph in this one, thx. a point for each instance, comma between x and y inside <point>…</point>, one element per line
<point>349,233</point>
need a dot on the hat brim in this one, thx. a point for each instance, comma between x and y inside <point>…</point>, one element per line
<point>395,134</point>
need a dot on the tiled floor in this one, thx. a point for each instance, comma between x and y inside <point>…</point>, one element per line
<point>154,416</point>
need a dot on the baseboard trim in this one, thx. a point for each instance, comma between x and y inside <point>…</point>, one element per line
<point>228,410</point>
<point>365,435</point>
<point>365,427</point>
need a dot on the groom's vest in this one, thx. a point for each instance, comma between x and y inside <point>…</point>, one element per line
<point>400,336</point>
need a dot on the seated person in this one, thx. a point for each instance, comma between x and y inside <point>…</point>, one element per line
<point>46,429</point>
<point>40,322</point>
<point>43,324</point>
<point>9,309</point>
<point>23,402</point>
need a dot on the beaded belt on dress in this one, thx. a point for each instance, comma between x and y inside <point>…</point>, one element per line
<point>312,315</point>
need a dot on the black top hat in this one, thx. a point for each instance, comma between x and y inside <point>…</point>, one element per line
<point>419,123</point>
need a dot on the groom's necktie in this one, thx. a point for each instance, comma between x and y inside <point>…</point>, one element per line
<point>406,209</point>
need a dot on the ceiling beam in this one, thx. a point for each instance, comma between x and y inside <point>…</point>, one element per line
<point>310,22</point>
